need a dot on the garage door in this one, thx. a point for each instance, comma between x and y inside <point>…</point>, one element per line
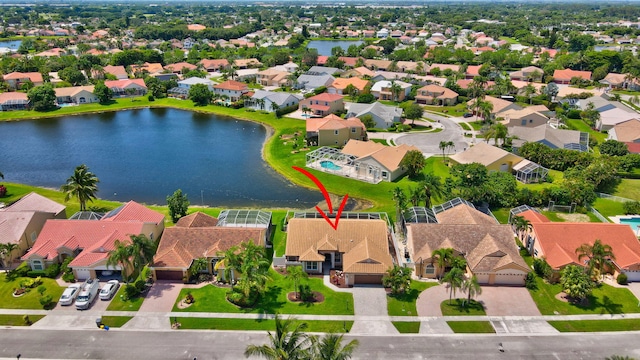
<point>368,279</point>
<point>82,274</point>
<point>510,278</point>
<point>633,275</point>
<point>173,275</point>
<point>483,278</point>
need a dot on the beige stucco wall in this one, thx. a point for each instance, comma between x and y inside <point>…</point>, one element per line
<point>509,159</point>
<point>329,138</point>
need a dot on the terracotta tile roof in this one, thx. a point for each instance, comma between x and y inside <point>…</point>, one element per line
<point>36,202</point>
<point>197,219</point>
<point>326,97</point>
<point>73,90</point>
<point>342,83</point>
<point>634,148</point>
<point>440,91</point>
<point>567,74</point>
<point>559,241</point>
<point>388,156</point>
<point>443,67</point>
<point>117,71</point>
<point>247,62</point>
<point>208,63</point>
<point>348,60</point>
<point>125,83</point>
<point>481,153</point>
<point>35,77</point>
<point>464,214</point>
<point>332,122</point>
<point>132,211</point>
<point>179,66</point>
<point>534,216</point>
<point>179,246</point>
<point>14,95</point>
<point>363,242</point>
<point>473,70</point>
<point>231,85</point>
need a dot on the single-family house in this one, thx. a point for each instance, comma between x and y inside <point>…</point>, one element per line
<point>332,130</point>
<point>323,70</point>
<point>118,71</point>
<point>358,248</point>
<point>410,66</point>
<point>265,100</point>
<point>360,72</point>
<point>127,87</point>
<point>565,76</point>
<point>549,136</point>
<point>180,68</point>
<point>443,67</point>
<point>436,95</point>
<point>528,117</point>
<point>213,65</point>
<point>382,33</point>
<point>196,27</point>
<point>620,81</point>
<point>149,68</point>
<point>15,80</point>
<point>323,104</point>
<point>488,247</point>
<point>247,63</point>
<point>611,116</point>
<point>376,65</point>
<point>472,71</point>
<point>384,90</point>
<point>14,101</point>
<point>383,115</point>
<point>557,243</point>
<point>339,85</point>
<point>499,105</point>
<point>188,83</point>
<point>202,236</point>
<point>626,131</point>
<point>273,77</point>
<point>89,241</point>
<point>311,82</point>
<point>529,73</point>
<point>76,95</point>
<point>232,89</point>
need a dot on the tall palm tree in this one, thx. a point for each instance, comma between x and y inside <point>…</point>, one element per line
<point>442,146</point>
<point>395,90</point>
<point>6,250</point>
<point>432,187</point>
<point>417,195</point>
<point>529,91</point>
<point>599,255</point>
<point>83,185</point>
<point>142,251</point>
<point>455,279</point>
<point>400,199</point>
<point>121,255</point>
<point>295,273</point>
<point>472,288</point>
<point>442,257</point>
<point>521,225</point>
<point>486,108</point>
<point>288,342</point>
<point>231,262</point>
<point>329,347</point>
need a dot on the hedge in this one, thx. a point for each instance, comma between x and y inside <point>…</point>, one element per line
<point>286,110</point>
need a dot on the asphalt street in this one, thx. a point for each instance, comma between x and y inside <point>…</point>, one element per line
<point>429,143</point>
<point>183,344</point>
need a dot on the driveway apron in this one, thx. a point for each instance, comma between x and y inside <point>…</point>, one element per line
<point>371,301</point>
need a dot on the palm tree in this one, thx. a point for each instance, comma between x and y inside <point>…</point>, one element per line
<point>500,132</point>
<point>121,255</point>
<point>274,107</point>
<point>260,103</point>
<point>432,187</point>
<point>198,265</point>
<point>231,262</point>
<point>142,251</point>
<point>486,108</point>
<point>442,257</point>
<point>400,199</point>
<point>289,342</point>
<point>521,225</point>
<point>296,274</point>
<point>329,347</point>
<point>599,255</point>
<point>529,91</point>
<point>81,185</point>
<point>416,195</point>
<point>455,279</point>
<point>395,90</point>
<point>472,288</point>
<point>6,250</point>
<point>442,146</point>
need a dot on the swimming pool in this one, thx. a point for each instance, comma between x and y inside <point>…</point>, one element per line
<point>634,222</point>
<point>329,165</point>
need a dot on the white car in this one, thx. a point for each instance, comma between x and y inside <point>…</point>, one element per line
<point>109,289</point>
<point>70,294</point>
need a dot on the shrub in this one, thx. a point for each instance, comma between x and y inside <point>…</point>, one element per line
<point>151,97</point>
<point>26,320</point>
<point>52,271</point>
<point>35,273</point>
<point>631,207</point>
<point>320,90</point>
<point>140,284</point>
<point>542,268</point>
<point>130,292</point>
<point>42,289</point>
<point>286,110</point>
<point>305,292</point>
<point>22,270</point>
<point>68,277</point>
<point>189,298</point>
<point>45,301</point>
<point>530,281</point>
<point>622,279</point>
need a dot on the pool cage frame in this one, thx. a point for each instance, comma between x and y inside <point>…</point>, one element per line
<point>350,166</point>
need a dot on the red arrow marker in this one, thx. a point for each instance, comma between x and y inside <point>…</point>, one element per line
<point>327,199</point>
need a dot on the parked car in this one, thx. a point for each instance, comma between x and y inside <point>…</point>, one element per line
<point>467,115</point>
<point>109,289</point>
<point>70,294</point>
<point>88,293</point>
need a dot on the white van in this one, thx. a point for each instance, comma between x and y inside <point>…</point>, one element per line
<point>88,293</point>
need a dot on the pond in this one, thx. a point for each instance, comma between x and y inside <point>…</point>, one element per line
<point>324,46</point>
<point>146,154</point>
<point>13,44</point>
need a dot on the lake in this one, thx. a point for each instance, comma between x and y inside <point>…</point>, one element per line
<point>146,154</point>
<point>324,47</point>
<point>13,44</point>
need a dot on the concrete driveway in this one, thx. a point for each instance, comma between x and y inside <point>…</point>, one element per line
<point>161,297</point>
<point>429,143</point>
<point>507,301</point>
<point>371,301</point>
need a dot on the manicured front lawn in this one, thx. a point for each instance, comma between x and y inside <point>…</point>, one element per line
<point>115,321</point>
<point>464,126</point>
<point>259,324</point>
<point>596,325</point>
<point>17,320</point>
<point>456,110</point>
<point>119,304</point>
<point>470,327</point>
<point>407,327</point>
<point>405,304</point>
<point>476,125</point>
<point>604,299</point>
<point>380,141</point>
<point>211,298</point>
<point>28,300</point>
<point>455,308</point>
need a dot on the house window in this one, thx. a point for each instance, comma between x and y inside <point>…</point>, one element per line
<point>429,269</point>
<point>151,236</point>
<point>524,122</point>
<point>34,236</point>
<point>353,130</point>
<point>338,257</point>
<point>530,121</point>
<point>311,266</point>
<point>335,132</point>
<point>535,252</point>
<point>37,265</point>
<point>384,174</point>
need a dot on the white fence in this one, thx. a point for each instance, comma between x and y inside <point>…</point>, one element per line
<point>613,197</point>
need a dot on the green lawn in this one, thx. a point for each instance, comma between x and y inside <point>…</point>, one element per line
<point>502,214</point>
<point>405,304</point>
<point>509,40</point>
<point>456,110</point>
<point>577,124</point>
<point>596,325</point>
<point>407,327</point>
<point>380,141</point>
<point>118,304</point>
<point>476,125</point>
<point>629,188</point>
<point>455,308</point>
<point>465,126</point>
<point>28,300</point>
<point>213,299</point>
<point>115,321</point>
<point>608,207</point>
<point>604,299</point>
<point>470,327</point>
<point>259,324</point>
<point>17,320</point>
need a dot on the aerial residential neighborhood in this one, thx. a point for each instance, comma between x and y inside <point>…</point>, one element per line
<point>361,178</point>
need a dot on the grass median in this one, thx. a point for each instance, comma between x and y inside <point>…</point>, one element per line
<point>259,324</point>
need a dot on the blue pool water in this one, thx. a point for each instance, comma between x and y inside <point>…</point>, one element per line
<point>329,165</point>
<point>634,222</point>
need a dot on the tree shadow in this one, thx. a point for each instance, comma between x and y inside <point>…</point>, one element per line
<point>610,307</point>
<point>268,301</point>
<point>465,307</point>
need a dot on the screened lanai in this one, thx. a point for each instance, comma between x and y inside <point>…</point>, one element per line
<point>333,161</point>
<point>244,218</point>
<point>529,172</point>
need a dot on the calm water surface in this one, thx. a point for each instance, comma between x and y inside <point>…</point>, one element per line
<point>144,155</point>
<point>324,47</point>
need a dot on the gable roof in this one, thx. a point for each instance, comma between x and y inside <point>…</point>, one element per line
<point>326,97</point>
<point>499,105</point>
<point>231,85</point>
<point>132,211</point>
<point>387,112</point>
<point>118,71</point>
<point>73,90</point>
<point>13,225</point>
<point>179,66</point>
<point>567,74</point>
<point>628,131</point>
<point>464,214</point>
<point>481,153</point>
<point>332,122</point>
<point>36,202</point>
<point>388,156</point>
<point>342,83</point>
<point>13,96</point>
<point>197,219</point>
<point>125,83</point>
<point>557,137</point>
<point>35,77</point>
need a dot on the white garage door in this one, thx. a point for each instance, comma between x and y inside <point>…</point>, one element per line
<point>633,275</point>
<point>483,278</point>
<point>82,274</point>
<point>513,277</point>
